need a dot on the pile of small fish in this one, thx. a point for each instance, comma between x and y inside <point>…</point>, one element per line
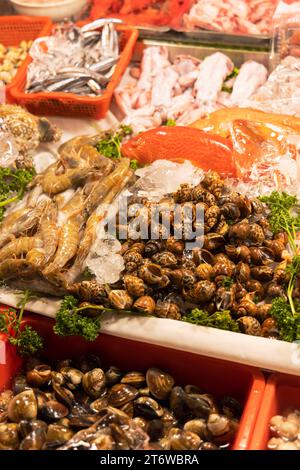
<point>192,88</point>
<point>45,239</point>
<point>231,16</point>
<point>77,60</point>
<point>285,432</point>
<point>79,406</point>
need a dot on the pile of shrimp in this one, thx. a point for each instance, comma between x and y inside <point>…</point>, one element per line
<point>45,239</point>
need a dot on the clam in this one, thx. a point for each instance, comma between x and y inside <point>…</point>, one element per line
<point>64,395</point>
<point>134,378</point>
<point>200,405</point>
<point>177,402</point>
<point>221,429</point>
<point>192,389</point>
<point>183,440</point>
<point>98,404</point>
<point>128,408</point>
<point>113,376</point>
<point>155,429</point>
<point>83,422</point>
<point>38,376</point>
<point>35,440</point>
<point>120,299</point>
<point>120,394</point>
<point>197,426</point>
<point>27,426</point>
<point>94,382</point>
<point>54,410</point>
<point>72,377</point>
<point>23,406</point>
<point>148,408</point>
<point>145,304</point>
<point>58,434</point>
<point>160,383</point>
<point>231,407</point>
<point>208,446</point>
<point>89,362</point>
<point>19,384</point>
<point>9,435</point>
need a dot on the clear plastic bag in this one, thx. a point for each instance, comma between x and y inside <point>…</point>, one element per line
<point>8,149</point>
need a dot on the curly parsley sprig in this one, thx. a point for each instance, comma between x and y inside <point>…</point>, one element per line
<point>111,146</point>
<point>27,340</point>
<point>13,185</point>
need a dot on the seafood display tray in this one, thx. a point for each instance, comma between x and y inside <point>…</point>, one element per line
<point>238,56</point>
<point>263,353</point>
<point>281,394</point>
<point>14,29</point>
<point>204,372</point>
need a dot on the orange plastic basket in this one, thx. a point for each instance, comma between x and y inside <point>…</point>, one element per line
<point>14,29</point>
<point>69,104</point>
<point>151,17</point>
<point>282,392</point>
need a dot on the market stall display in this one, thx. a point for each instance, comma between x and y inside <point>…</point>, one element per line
<point>169,231</point>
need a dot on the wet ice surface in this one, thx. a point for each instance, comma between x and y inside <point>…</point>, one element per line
<point>104,260</point>
<point>164,177</point>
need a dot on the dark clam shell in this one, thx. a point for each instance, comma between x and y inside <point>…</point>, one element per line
<point>120,394</point>
<point>160,383</point>
<point>148,408</point>
<point>134,378</point>
<point>53,410</point>
<point>94,382</point>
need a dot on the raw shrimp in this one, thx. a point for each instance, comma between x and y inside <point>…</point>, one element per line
<point>14,268</point>
<point>49,232</point>
<point>54,184</point>
<point>26,221</point>
<point>104,186</point>
<point>67,246</point>
<point>19,246</point>
<point>91,229</point>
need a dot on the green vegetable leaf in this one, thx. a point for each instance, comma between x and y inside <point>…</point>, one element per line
<point>287,323</point>
<point>111,146</point>
<point>220,320</point>
<point>13,184</point>
<point>69,322</point>
<point>27,340</point>
<point>171,123</point>
<point>134,165</point>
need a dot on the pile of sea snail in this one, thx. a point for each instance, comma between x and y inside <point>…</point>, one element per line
<point>240,268</point>
<point>285,432</point>
<point>79,406</point>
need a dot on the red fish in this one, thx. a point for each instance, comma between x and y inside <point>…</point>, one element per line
<point>207,151</point>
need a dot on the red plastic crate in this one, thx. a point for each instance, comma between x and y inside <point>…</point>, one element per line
<point>69,104</point>
<point>281,393</point>
<point>218,377</point>
<point>14,29</point>
<point>155,17</point>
